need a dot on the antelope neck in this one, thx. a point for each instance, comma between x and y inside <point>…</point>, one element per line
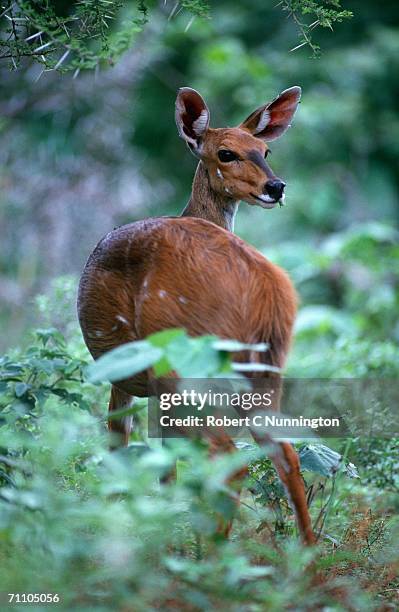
<point>205,203</point>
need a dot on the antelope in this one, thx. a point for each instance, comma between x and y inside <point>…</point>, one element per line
<point>192,272</point>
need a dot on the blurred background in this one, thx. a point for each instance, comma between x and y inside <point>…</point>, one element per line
<point>82,155</point>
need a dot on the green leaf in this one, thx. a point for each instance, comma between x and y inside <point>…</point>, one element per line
<point>21,388</point>
<point>12,367</point>
<point>45,365</point>
<point>45,334</point>
<point>163,338</point>
<point>124,361</point>
<point>162,367</point>
<point>323,460</point>
<point>193,357</point>
<point>319,459</point>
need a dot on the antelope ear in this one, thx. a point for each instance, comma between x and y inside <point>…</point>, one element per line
<point>270,121</point>
<point>192,117</point>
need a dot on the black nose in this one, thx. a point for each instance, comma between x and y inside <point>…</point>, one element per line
<point>274,188</point>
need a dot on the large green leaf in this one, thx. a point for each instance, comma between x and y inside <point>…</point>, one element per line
<point>323,460</point>
<point>124,361</point>
<point>165,337</point>
<point>194,357</point>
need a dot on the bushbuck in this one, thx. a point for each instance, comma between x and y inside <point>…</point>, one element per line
<point>192,272</point>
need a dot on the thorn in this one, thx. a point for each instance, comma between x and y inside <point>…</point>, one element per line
<point>34,36</point>
<point>299,46</point>
<point>190,23</point>
<point>58,64</point>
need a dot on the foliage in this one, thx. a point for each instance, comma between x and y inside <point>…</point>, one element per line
<point>60,485</point>
<point>46,369</point>
<point>78,35</point>
<point>326,14</point>
<point>77,38</point>
<point>86,34</point>
<point>173,350</point>
<point>349,285</point>
<point>323,460</point>
<point>379,460</point>
<point>74,514</point>
<point>98,530</point>
<point>165,351</point>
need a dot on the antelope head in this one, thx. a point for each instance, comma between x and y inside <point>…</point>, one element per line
<point>236,158</point>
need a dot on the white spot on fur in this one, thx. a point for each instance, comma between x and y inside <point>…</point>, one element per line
<point>98,333</point>
<point>227,190</point>
<point>200,124</point>
<point>263,121</point>
<point>162,293</point>
<point>122,319</point>
<point>182,299</point>
<point>114,328</point>
<point>219,173</point>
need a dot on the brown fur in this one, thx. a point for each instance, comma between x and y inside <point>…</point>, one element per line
<point>164,273</point>
<point>189,273</point>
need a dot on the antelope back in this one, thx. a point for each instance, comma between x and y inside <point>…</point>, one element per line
<point>166,273</point>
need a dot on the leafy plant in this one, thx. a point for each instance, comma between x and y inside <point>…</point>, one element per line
<point>173,350</point>
<point>325,15</point>
<point>47,371</point>
<point>80,36</point>
<point>323,460</point>
<point>87,34</point>
<point>61,491</point>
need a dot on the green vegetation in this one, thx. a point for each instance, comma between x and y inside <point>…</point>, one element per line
<point>72,513</point>
<point>82,155</point>
<point>85,34</point>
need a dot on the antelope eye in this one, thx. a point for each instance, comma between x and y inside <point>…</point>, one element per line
<point>225,155</point>
<point>267,153</point>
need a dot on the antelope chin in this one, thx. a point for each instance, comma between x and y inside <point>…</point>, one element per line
<point>267,201</point>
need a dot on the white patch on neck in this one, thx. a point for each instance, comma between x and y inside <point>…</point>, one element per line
<point>200,124</point>
<point>263,121</point>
